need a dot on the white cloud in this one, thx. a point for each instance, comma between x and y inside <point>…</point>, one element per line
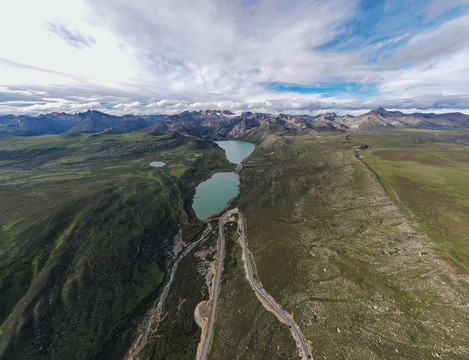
<point>32,55</point>
<point>52,105</point>
<point>439,67</point>
<point>155,56</point>
<point>452,37</point>
<point>9,91</point>
<point>437,7</point>
<point>287,104</point>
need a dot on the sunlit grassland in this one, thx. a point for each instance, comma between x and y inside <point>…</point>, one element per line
<point>431,180</point>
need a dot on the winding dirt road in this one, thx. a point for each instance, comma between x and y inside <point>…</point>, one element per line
<point>262,294</point>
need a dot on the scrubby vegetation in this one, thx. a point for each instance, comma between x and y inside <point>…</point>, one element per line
<point>244,329</point>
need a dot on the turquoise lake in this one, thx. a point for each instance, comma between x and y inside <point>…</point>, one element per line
<point>212,196</point>
<point>236,151</point>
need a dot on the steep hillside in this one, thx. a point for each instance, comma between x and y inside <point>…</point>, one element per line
<point>88,230</point>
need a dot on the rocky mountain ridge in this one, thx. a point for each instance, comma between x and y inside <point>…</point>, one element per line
<point>91,121</point>
<point>381,119</point>
<point>216,123</point>
<point>223,123</point>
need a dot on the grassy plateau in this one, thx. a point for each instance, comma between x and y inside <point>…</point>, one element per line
<point>363,278</point>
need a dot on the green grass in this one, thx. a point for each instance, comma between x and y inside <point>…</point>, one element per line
<point>66,233</point>
<point>177,170</point>
<point>241,318</point>
<point>330,245</point>
<point>86,229</point>
<point>8,227</point>
<point>432,181</point>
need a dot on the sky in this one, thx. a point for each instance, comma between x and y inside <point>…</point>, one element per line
<point>297,57</point>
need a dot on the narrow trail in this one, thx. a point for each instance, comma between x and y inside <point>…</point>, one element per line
<point>155,313</point>
<point>260,292</point>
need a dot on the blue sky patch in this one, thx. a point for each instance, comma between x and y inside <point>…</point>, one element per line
<point>358,90</point>
<point>382,26</point>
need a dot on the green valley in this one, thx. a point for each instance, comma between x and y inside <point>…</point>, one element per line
<point>360,237</point>
<point>86,234</point>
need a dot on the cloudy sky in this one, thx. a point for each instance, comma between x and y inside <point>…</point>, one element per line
<point>167,56</point>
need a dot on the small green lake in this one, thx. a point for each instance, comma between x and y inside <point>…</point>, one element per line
<point>212,196</point>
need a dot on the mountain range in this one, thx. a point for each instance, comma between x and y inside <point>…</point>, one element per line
<point>381,118</point>
<point>218,123</point>
<point>91,121</point>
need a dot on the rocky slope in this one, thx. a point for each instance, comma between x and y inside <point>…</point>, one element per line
<point>199,123</point>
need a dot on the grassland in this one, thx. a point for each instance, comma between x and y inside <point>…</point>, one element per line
<point>431,181</point>
<point>360,276</point>
<point>366,247</point>
<point>86,236</point>
<point>244,329</point>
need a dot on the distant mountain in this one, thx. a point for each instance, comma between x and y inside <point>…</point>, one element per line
<point>198,123</point>
<point>29,125</point>
<point>218,123</point>
<point>255,125</point>
<point>4,119</point>
<point>129,123</point>
<point>87,122</point>
<point>94,121</point>
<point>381,119</point>
<point>325,121</point>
